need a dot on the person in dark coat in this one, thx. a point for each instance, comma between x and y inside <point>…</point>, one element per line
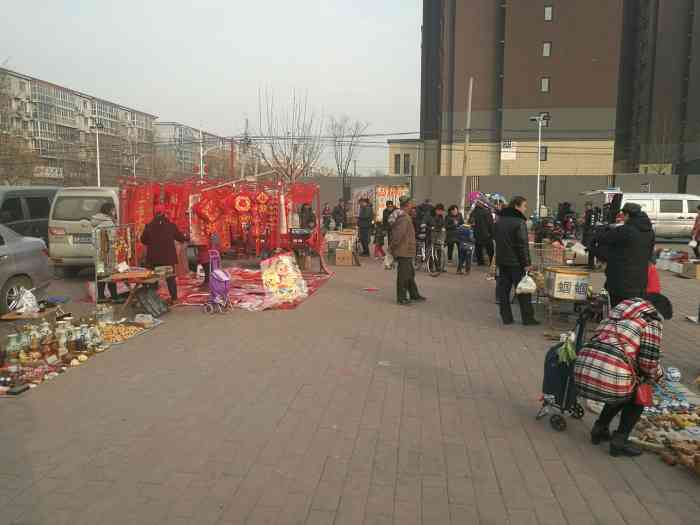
<point>388,210</point>
<point>403,248</point>
<point>513,260</point>
<point>590,219</point>
<point>453,221</point>
<point>364,225</point>
<point>629,249</point>
<point>340,216</point>
<point>482,223</point>
<point>159,236</point>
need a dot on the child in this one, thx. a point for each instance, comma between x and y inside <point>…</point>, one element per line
<point>379,234</point>
<point>465,238</point>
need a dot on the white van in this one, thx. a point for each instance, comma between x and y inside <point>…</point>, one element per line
<point>70,229</point>
<point>672,214</point>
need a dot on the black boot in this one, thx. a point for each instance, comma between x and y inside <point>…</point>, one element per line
<point>599,433</point>
<point>620,446</point>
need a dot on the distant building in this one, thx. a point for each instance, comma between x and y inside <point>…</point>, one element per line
<point>59,124</point>
<point>177,151</point>
<point>404,155</point>
<point>620,80</point>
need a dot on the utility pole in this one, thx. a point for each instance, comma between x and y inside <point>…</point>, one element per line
<point>97,127</point>
<point>244,152</point>
<point>232,169</point>
<point>201,155</point>
<point>354,168</point>
<point>467,140</point>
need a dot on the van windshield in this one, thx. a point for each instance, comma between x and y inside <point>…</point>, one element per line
<point>78,208</point>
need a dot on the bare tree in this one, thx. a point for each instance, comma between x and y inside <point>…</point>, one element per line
<point>346,135</point>
<point>291,137</point>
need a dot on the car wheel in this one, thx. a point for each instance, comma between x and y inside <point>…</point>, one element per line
<point>11,292</point>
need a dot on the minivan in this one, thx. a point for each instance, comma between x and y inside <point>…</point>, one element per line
<point>70,229</point>
<point>25,209</point>
<point>672,214</point>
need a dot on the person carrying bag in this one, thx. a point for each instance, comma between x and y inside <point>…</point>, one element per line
<point>618,366</point>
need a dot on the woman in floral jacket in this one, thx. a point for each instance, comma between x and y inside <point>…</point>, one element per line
<point>625,350</point>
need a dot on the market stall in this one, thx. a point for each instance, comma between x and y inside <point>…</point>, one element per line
<point>40,351</point>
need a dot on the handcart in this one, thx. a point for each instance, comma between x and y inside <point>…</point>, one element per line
<point>219,286</point>
<point>558,386</point>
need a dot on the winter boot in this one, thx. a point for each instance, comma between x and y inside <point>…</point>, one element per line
<point>599,433</point>
<point>620,446</point>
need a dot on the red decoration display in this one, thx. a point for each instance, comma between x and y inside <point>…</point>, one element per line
<point>243,217</point>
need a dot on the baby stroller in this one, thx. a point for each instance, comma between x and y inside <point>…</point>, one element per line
<point>558,386</point>
<point>219,286</point>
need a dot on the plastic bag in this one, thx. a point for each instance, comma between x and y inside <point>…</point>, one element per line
<point>693,243</point>
<point>526,286</point>
<point>388,261</point>
<point>27,303</point>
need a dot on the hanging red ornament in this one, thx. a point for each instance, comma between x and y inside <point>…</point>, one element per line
<point>242,204</point>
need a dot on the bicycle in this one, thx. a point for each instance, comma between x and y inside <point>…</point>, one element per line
<point>420,261</point>
<point>437,258</point>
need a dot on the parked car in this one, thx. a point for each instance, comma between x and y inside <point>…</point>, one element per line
<point>25,209</point>
<point>70,229</point>
<point>672,214</point>
<point>24,263</point>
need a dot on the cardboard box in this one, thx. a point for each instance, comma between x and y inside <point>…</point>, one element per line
<point>689,270</point>
<point>697,272</point>
<point>675,267</point>
<point>343,258</point>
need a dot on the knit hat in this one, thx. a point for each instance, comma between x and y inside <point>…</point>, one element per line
<point>631,208</point>
<point>404,199</point>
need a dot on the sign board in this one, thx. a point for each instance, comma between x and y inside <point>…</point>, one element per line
<point>377,195</point>
<point>48,172</point>
<point>509,149</point>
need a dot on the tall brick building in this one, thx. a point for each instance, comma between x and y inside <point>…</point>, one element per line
<point>620,80</point>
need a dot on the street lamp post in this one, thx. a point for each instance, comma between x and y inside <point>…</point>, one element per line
<point>540,119</point>
<point>97,127</point>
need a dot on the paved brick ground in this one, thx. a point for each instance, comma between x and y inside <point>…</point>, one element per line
<point>348,410</point>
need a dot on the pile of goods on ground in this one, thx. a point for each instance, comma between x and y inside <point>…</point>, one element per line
<point>671,427</point>
<point>40,352</point>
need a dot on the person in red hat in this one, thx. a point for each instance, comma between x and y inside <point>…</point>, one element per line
<point>159,236</point>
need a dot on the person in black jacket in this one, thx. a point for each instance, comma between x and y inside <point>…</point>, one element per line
<point>481,220</point>
<point>513,260</point>
<point>340,215</point>
<point>628,249</point>
<point>385,219</point>
<point>364,224</point>
<point>453,221</point>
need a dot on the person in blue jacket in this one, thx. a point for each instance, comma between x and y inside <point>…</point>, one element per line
<point>465,239</point>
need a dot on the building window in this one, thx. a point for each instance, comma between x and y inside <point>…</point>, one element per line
<point>406,164</point>
<point>397,164</point>
<point>544,84</point>
<point>544,151</point>
<point>548,14</point>
<point>546,49</point>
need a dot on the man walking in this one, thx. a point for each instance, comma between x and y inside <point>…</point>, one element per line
<point>513,260</point>
<point>339,215</point>
<point>403,248</point>
<point>364,224</point>
<point>482,223</point>
<point>628,250</point>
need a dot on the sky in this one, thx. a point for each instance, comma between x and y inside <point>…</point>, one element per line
<point>204,62</point>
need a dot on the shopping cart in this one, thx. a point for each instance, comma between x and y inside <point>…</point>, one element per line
<point>219,286</point>
<point>558,385</point>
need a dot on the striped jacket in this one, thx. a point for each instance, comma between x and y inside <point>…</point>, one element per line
<point>631,335</point>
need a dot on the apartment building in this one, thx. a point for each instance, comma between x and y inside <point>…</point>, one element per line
<point>178,151</point>
<point>618,80</point>
<point>61,125</point>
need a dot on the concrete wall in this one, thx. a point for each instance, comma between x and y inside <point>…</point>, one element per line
<point>558,189</point>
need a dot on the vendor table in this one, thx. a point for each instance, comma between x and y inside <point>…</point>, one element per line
<point>134,284</point>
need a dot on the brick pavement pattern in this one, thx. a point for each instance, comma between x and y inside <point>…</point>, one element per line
<point>348,410</point>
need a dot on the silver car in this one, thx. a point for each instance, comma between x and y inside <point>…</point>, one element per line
<point>24,263</point>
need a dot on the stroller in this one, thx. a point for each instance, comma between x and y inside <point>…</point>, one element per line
<point>219,286</point>
<point>558,386</point>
